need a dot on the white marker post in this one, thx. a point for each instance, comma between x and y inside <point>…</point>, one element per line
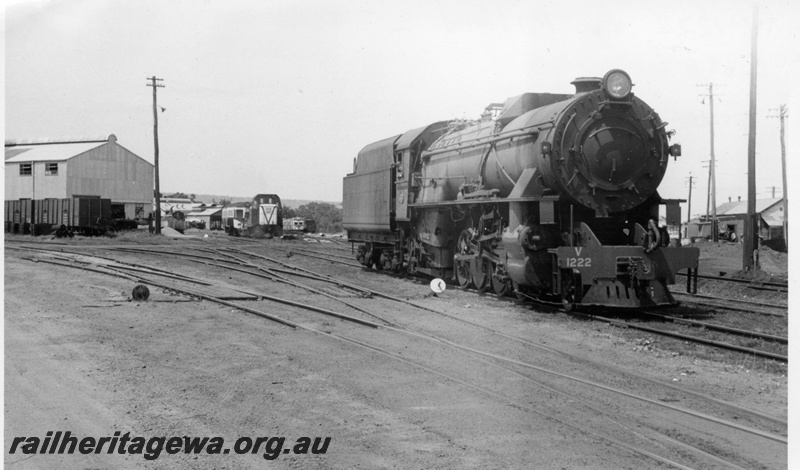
<point>438,286</point>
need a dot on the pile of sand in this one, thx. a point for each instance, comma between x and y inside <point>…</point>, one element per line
<point>172,233</point>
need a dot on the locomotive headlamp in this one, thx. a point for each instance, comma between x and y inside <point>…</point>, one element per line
<point>617,84</point>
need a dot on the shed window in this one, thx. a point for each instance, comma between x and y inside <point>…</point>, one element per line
<point>25,169</point>
<point>51,168</point>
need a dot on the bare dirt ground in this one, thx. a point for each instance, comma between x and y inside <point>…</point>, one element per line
<point>724,258</point>
<point>81,357</point>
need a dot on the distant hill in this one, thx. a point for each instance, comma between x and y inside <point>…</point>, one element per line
<point>293,203</point>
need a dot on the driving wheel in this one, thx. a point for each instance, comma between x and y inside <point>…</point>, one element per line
<point>501,288</point>
<point>481,272</point>
<point>463,268</point>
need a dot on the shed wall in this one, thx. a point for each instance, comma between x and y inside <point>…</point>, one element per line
<point>774,212</point>
<point>113,172</point>
<point>37,185</point>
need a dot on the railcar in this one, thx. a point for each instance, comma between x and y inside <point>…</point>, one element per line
<point>260,218</point>
<point>550,196</point>
<point>299,224</point>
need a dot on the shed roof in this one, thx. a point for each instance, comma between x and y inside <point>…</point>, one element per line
<point>184,207</point>
<point>208,212</point>
<point>740,207</point>
<point>774,220</point>
<point>57,152</point>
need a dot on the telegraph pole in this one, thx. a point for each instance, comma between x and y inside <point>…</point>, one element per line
<point>689,209</point>
<point>782,116</point>
<point>712,178</point>
<point>772,189</point>
<point>712,222</point>
<point>750,243</point>
<point>157,191</point>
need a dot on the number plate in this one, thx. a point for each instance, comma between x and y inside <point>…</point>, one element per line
<point>578,262</point>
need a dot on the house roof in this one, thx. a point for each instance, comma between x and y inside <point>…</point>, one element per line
<point>737,208</point>
<point>740,207</point>
<point>57,152</point>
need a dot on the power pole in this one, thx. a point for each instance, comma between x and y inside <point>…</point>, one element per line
<point>157,191</point>
<point>750,242</point>
<point>712,178</point>
<point>782,116</point>
<point>689,209</point>
<point>712,222</point>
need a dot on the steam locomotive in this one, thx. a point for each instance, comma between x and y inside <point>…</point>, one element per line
<point>549,196</point>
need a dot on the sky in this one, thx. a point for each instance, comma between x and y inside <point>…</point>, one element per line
<point>279,96</point>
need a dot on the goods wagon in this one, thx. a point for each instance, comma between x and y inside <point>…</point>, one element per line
<point>86,215</point>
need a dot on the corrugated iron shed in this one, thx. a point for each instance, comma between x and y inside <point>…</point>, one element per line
<point>48,153</point>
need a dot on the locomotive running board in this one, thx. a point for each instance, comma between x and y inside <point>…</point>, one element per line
<point>422,205</point>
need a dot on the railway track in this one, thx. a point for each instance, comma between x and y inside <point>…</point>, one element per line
<point>302,272</point>
<point>736,305</point>
<point>694,331</point>
<point>700,340</point>
<point>758,285</point>
<point>776,353</point>
<point>233,259</point>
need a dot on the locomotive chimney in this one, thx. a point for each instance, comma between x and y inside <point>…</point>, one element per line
<point>586,84</point>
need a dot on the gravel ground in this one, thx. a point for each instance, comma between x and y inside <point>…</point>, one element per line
<point>81,357</point>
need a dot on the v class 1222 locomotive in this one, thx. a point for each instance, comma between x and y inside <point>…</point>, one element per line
<point>549,196</point>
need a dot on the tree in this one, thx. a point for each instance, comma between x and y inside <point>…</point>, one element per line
<point>327,216</point>
<point>221,202</point>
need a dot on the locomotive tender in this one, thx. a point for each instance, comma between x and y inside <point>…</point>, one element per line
<point>552,195</point>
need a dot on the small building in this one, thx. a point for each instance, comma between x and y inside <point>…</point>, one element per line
<point>731,218</point>
<point>188,208</point>
<point>212,218</point>
<point>50,168</point>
